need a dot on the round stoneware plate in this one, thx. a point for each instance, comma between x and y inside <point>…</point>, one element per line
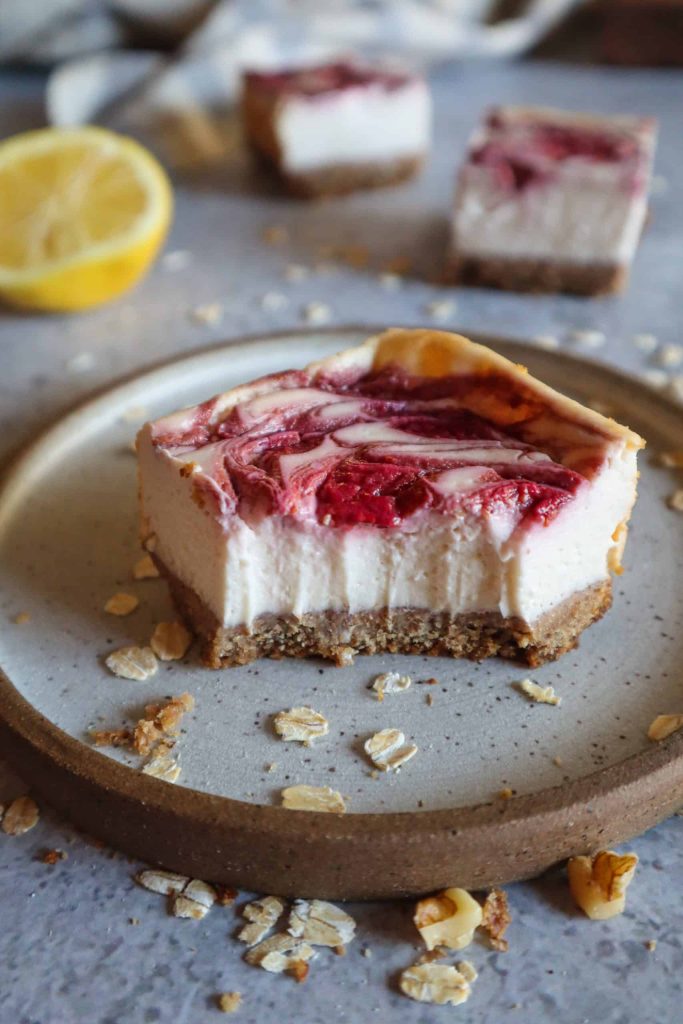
<point>582,775</point>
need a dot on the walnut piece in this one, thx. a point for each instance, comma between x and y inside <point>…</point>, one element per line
<point>663,726</point>
<point>540,694</point>
<point>390,682</point>
<point>438,983</point>
<point>313,798</point>
<point>121,604</point>
<point>21,816</point>
<point>145,569</point>
<point>598,884</point>
<point>496,918</point>
<point>170,641</point>
<point>448,919</point>
<point>301,724</point>
<point>137,663</point>
<point>321,923</point>
<point>388,750</point>
<point>279,953</point>
<point>263,915</point>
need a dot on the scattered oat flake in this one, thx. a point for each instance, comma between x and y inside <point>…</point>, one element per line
<point>121,604</point>
<point>390,682</point>
<point>663,726</point>
<point>675,500</point>
<point>440,309</point>
<point>670,355</point>
<point>145,569</point>
<point>539,694</point>
<point>301,724</point>
<point>162,882</point>
<point>229,1002</point>
<point>496,918</point>
<point>645,342</point>
<point>194,901</point>
<point>317,313</point>
<point>176,260</point>
<point>588,337</point>
<point>321,924</point>
<point>21,816</point>
<point>391,282</point>
<point>21,618</point>
<point>274,301</point>
<point>295,272</point>
<point>132,663</point>
<point>387,749</point>
<point>262,915</point>
<point>162,765</point>
<point>598,884</point>
<point>546,341</point>
<point>279,953</point>
<point>313,798</point>
<point>276,234</point>
<point>170,641</point>
<point>207,315</point>
<point>53,856</point>
<point>435,983</point>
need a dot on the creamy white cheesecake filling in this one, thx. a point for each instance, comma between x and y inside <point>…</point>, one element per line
<point>574,218</point>
<point>354,126</point>
<point>439,562</point>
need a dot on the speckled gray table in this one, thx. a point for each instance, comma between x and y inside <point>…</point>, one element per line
<point>68,949</point>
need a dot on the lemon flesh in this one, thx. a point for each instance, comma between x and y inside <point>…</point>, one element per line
<point>82,214</point>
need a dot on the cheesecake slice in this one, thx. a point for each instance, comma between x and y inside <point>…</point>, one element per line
<point>335,128</point>
<point>549,200</point>
<point>419,493</point>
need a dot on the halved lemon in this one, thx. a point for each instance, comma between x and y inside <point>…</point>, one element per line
<point>83,212</point>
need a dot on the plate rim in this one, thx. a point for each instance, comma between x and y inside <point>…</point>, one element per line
<point>36,741</point>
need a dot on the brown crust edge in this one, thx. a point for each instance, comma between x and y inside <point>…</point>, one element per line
<point>332,635</point>
<point>537,275</point>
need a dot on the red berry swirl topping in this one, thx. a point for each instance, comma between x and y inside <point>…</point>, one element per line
<point>378,450</point>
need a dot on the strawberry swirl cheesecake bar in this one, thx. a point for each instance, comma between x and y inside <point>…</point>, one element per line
<point>418,493</point>
<point>550,200</point>
<point>335,128</point>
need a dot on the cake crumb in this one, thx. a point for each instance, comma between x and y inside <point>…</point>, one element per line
<point>207,315</point>
<point>496,918</point>
<point>21,816</point>
<point>645,342</point>
<point>272,767</point>
<point>225,895</point>
<point>111,737</point>
<point>145,569</point>
<point>272,302</point>
<point>429,699</point>
<point>229,1002</point>
<point>275,234</point>
<point>366,952</point>
<point>52,856</point>
<point>558,762</point>
<point>344,656</point>
<point>388,750</point>
<point>121,604</point>
<point>650,945</point>
<point>301,724</point>
<point>170,641</point>
<point>21,618</point>
<point>137,663</point>
<point>134,920</point>
<point>588,337</point>
<point>316,313</point>
<point>675,500</point>
<point>670,355</point>
<point>313,798</point>
<point>539,694</point>
<point>391,282</point>
<point>505,794</point>
<point>177,259</point>
<point>295,272</point>
<point>546,341</point>
<point>663,726</point>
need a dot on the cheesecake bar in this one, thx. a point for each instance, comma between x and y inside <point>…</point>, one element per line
<point>418,493</point>
<point>335,128</point>
<point>549,200</point>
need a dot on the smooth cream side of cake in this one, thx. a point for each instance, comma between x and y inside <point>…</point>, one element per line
<point>280,565</point>
<point>356,126</point>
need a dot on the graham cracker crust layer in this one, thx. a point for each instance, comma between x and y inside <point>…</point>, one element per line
<point>338,635</point>
<point>537,275</point>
